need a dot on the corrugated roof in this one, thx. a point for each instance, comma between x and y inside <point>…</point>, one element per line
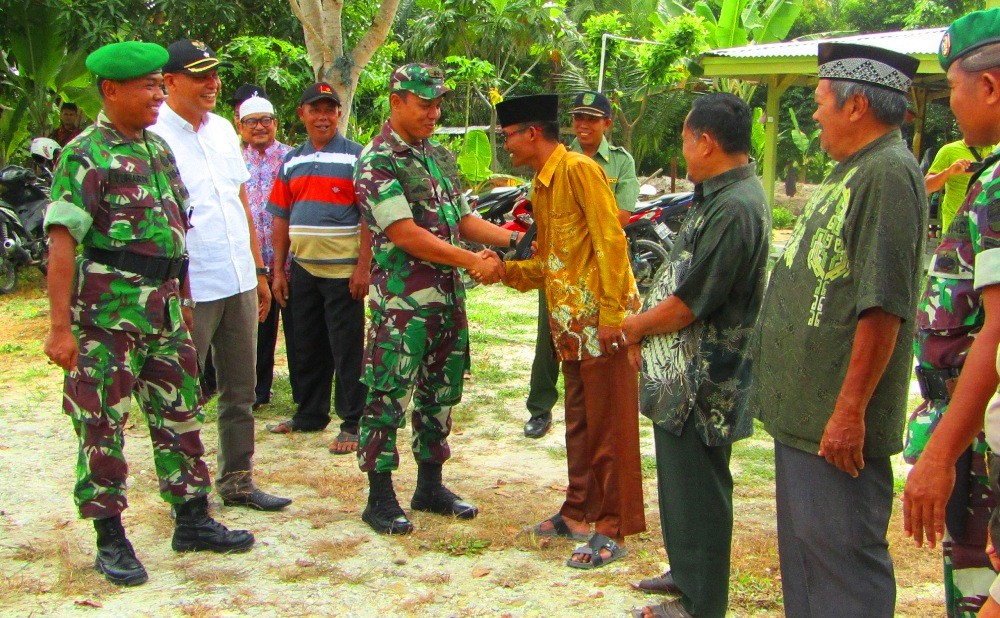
<point>910,42</point>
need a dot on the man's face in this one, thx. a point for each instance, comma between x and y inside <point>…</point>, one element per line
<point>135,103</point>
<point>969,94</point>
<point>196,92</point>
<point>694,155</point>
<point>257,130</point>
<point>590,130</point>
<point>321,118</point>
<point>69,118</point>
<point>517,141</point>
<point>835,124</point>
<point>413,117</point>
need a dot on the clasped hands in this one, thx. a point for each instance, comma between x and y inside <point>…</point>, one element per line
<point>488,267</point>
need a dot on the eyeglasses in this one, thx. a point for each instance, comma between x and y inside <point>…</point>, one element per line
<point>251,123</point>
<point>504,136</point>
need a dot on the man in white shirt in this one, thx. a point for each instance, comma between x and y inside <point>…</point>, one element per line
<point>229,295</point>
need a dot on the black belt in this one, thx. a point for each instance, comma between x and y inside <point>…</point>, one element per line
<point>934,382</point>
<point>158,268</point>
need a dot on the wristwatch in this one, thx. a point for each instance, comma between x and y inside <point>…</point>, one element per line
<point>513,240</point>
<point>188,302</point>
<point>264,270</point>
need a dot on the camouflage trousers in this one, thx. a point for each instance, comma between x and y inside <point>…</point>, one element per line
<point>411,354</point>
<point>967,569</point>
<point>161,371</point>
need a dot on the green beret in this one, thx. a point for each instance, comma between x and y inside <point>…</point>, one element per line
<point>127,60</point>
<point>968,34</point>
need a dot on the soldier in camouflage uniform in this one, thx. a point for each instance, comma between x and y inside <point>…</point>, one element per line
<point>945,431</point>
<point>408,189</point>
<point>117,323</point>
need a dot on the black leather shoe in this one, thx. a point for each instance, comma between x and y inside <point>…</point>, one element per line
<point>442,501</point>
<point>256,499</point>
<point>538,426</point>
<point>660,584</point>
<point>195,530</point>
<point>115,556</point>
<point>386,518</point>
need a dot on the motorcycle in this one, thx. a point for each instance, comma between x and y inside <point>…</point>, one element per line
<point>494,207</point>
<point>23,199</point>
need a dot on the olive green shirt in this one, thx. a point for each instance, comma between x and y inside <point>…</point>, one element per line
<point>619,165</point>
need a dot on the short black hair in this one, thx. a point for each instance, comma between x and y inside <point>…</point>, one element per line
<point>70,106</point>
<point>725,117</point>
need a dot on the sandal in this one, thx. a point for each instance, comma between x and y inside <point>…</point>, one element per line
<point>341,445</point>
<point>669,609</point>
<point>593,549</point>
<point>559,529</point>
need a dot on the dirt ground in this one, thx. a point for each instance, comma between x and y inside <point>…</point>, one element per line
<point>317,557</point>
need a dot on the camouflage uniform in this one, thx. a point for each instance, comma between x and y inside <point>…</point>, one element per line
<point>949,315</point>
<point>418,332</point>
<point>117,194</point>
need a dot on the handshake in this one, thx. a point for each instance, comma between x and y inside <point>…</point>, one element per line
<point>488,268</point>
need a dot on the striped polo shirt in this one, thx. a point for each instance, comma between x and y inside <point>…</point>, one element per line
<point>314,190</point>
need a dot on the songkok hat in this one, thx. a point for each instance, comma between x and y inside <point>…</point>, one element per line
<point>126,60</point>
<point>246,91</point>
<point>191,57</point>
<point>317,92</point>
<point>256,105</point>
<point>592,104</point>
<point>867,65</point>
<point>968,34</point>
<point>423,80</point>
<point>531,108</point>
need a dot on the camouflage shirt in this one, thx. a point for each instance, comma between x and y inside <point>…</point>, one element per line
<point>395,181</point>
<point>115,193</point>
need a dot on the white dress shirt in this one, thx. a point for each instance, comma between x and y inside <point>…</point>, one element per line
<point>213,171</point>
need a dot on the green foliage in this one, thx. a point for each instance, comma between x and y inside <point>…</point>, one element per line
<point>476,157</point>
<point>757,137</point>
<point>782,218</point>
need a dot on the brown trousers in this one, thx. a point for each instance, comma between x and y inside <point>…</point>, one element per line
<point>602,445</point>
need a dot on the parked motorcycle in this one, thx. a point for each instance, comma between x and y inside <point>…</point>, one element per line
<point>650,232</point>
<point>495,207</point>
<point>23,199</point>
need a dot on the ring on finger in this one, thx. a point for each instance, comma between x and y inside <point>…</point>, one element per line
<point>614,345</point>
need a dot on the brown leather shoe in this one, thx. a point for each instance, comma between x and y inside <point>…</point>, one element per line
<point>661,584</point>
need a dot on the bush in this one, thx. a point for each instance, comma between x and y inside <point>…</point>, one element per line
<point>782,218</point>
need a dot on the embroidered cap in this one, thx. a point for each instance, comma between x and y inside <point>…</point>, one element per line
<point>592,104</point>
<point>192,57</point>
<point>867,65</point>
<point>531,108</point>
<point>967,35</point>
<point>317,92</point>
<point>256,105</point>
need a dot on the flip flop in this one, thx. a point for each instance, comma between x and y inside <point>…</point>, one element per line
<point>593,549</point>
<point>344,437</point>
<point>669,609</point>
<point>559,529</point>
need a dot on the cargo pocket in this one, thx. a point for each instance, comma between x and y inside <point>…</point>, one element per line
<point>84,394</point>
<point>129,217</point>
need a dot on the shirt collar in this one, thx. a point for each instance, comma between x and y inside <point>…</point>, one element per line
<point>269,152</point>
<point>604,149</point>
<point>876,144</point>
<point>397,143</point>
<point>111,134</point>
<point>720,181</point>
<point>169,116</point>
<point>549,169</point>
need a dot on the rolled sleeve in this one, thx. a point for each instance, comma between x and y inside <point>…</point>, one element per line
<point>70,216</point>
<point>987,268</point>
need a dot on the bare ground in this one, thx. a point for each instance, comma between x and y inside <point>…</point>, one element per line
<point>317,557</point>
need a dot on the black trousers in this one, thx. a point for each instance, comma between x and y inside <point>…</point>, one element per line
<point>267,339</point>
<point>328,329</point>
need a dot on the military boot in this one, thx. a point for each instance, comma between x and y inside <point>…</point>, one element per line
<point>115,556</point>
<point>383,512</point>
<point>432,496</point>
<point>195,530</point>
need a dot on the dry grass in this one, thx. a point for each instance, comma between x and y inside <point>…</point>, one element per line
<point>333,549</point>
<point>200,609</point>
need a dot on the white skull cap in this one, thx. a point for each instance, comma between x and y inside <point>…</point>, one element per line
<point>256,105</point>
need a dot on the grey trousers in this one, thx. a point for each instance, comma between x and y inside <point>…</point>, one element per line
<point>229,326</point>
<point>831,537</point>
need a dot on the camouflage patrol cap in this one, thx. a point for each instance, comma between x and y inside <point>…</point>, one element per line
<point>423,80</point>
<point>969,34</point>
<point>126,60</point>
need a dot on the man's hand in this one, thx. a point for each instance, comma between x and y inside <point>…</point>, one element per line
<point>61,348</point>
<point>263,298</point>
<point>489,267</point>
<point>959,167</point>
<point>279,285</point>
<point>635,357</point>
<point>631,331</point>
<point>928,487</point>
<point>187,314</point>
<point>611,340</point>
<point>843,441</point>
<point>359,282</point>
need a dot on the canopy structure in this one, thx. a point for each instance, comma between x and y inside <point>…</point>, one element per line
<point>777,66</point>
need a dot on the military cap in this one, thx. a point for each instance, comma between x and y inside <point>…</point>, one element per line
<point>531,108</point>
<point>126,60</point>
<point>191,57</point>
<point>867,65</point>
<point>968,34</point>
<point>316,92</point>
<point>592,104</point>
<point>246,91</point>
<point>423,80</point>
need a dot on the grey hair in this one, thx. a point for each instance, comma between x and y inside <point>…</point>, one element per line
<point>888,106</point>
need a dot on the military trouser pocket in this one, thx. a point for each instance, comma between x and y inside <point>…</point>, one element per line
<point>84,396</point>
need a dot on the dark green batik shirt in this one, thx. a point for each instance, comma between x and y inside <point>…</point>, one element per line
<point>116,193</point>
<point>857,245</point>
<point>717,268</point>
